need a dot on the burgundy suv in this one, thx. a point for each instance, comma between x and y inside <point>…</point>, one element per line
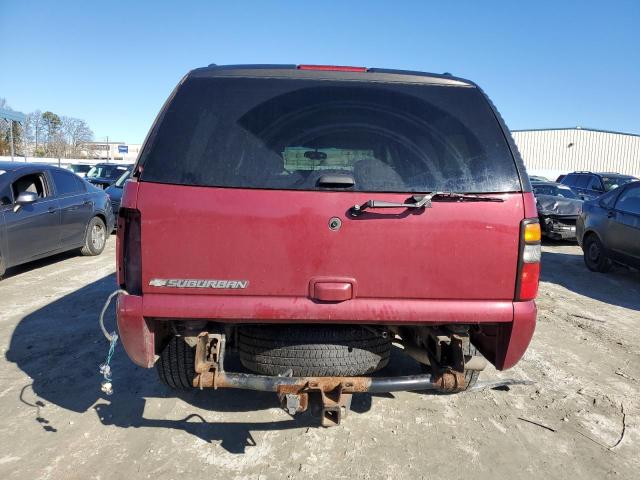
<point>311,219</point>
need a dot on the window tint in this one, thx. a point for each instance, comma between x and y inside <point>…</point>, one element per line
<point>629,200</point>
<point>542,190</point>
<point>79,168</point>
<point>595,184</point>
<point>125,176</point>
<point>66,183</point>
<point>565,192</point>
<point>285,134</point>
<point>615,181</point>
<point>582,181</point>
<point>5,195</point>
<point>569,180</point>
<point>554,190</point>
<point>33,182</point>
<point>106,171</point>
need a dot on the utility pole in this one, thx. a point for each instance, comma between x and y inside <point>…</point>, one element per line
<point>11,137</point>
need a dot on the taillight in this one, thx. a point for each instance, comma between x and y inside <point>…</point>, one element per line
<point>529,260</point>
<point>332,68</point>
<point>131,259</point>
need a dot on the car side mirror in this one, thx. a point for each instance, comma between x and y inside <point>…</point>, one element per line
<point>25,198</point>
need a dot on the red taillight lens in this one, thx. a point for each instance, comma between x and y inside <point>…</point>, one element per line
<point>529,261</point>
<point>529,277</point>
<point>332,68</point>
<point>130,261</point>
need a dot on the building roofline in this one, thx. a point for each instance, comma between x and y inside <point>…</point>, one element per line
<point>575,128</point>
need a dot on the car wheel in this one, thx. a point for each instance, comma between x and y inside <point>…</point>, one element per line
<point>595,257</point>
<point>95,238</point>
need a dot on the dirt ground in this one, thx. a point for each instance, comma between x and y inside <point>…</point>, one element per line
<point>579,420</point>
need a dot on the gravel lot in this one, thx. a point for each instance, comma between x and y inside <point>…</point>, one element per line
<point>580,419</point>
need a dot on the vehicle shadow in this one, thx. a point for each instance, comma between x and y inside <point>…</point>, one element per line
<point>619,287</point>
<point>43,262</point>
<point>60,347</point>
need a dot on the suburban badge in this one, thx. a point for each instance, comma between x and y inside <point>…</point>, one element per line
<point>195,283</point>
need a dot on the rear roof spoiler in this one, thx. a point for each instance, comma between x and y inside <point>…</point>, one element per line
<point>330,71</point>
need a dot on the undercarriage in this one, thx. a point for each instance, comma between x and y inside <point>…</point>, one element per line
<point>441,351</point>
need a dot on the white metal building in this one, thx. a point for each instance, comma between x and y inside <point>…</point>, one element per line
<point>114,150</point>
<point>554,151</point>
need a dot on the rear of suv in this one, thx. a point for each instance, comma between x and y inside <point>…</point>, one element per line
<point>309,217</point>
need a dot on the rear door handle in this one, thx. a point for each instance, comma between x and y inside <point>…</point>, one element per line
<point>52,210</point>
<point>611,214</point>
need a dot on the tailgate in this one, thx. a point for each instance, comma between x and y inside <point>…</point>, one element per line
<point>267,243</point>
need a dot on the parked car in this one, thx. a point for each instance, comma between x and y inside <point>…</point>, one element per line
<point>589,185</point>
<point>538,178</point>
<point>115,191</point>
<point>80,169</point>
<point>104,175</point>
<point>558,209</point>
<point>309,216</point>
<point>608,229</point>
<point>46,210</point>
<point>560,177</point>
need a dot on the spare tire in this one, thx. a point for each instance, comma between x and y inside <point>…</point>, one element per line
<point>318,350</point>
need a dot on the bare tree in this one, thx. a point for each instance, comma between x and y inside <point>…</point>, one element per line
<point>35,134</point>
<point>47,134</point>
<point>77,134</point>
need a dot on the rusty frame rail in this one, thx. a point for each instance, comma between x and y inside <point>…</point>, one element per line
<point>446,381</point>
<point>293,392</point>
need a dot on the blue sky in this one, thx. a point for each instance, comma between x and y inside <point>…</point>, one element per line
<point>544,63</point>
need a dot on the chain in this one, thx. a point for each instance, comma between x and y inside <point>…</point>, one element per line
<point>105,368</point>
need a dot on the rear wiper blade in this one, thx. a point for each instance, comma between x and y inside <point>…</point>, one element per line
<point>464,197</point>
<point>422,201</point>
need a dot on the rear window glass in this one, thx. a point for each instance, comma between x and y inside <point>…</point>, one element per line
<point>123,178</point>
<point>106,171</point>
<point>582,181</point>
<point>629,200</point>
<point>5,195</point>
<point>554,190</point>
<point>66,183</point>
<point>616,181</point>
<point>286,134</point>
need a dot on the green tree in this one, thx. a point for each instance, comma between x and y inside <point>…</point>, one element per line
<point>52,124</point>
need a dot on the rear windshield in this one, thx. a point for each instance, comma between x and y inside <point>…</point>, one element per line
<point>286,134</point>
<point>106,171</point>
<point>80,168</point>
<point>554,190</point>
<point>615,181</point>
